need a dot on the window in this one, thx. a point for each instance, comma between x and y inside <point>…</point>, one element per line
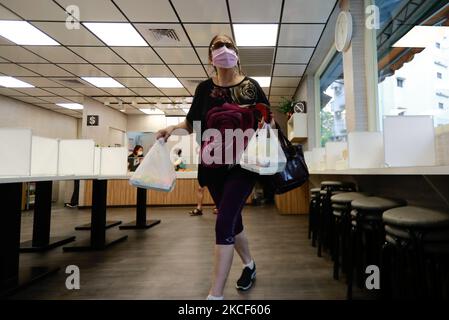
<point>332,102</point>
<point>405,52</point>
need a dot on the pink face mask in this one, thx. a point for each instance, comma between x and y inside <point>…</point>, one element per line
<point>224,58</point>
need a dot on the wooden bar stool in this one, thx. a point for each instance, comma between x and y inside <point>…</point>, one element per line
<point>416,253</point>
<point>367,235</point>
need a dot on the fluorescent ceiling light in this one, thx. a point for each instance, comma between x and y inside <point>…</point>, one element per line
<point>256,35</point>
<point>117,34</point>
<point>264,82</point>
<point>24,33</point>
<point>152,111</point>
<point>10,82</point>
<point>71,106</point>
<point>165,83</point>
<point>103,82</point>
<point>422,37</point>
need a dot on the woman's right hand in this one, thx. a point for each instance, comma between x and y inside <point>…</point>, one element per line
<point>165,133</point>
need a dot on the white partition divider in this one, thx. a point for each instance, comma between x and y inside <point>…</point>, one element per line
<point>336,152</point>
<point>319,158</point>
<point>44,156</point>
<point>97,160</point>
<point>76,157</point>
<point>409,141</point>
<point>114,161</point>
<point>308,157</point>
<point>366,150</point>
<point>15,152</point>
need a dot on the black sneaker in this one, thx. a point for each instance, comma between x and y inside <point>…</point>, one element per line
<point>246,279</point>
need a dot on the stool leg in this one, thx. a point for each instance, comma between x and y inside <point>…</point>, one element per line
<point>309,233</point>
<point>350,271</point>
<point>385,271</point>
<point>337,248</point>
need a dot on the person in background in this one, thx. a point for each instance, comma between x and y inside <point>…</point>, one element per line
<point>135,158</point>
<point>75,195</point>
<point>179,160</point>
<point>198,211</point>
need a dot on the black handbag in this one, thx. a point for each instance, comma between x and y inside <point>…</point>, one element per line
<point>295,173</point>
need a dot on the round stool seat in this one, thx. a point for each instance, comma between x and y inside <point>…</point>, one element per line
<point>431,247</point>
<point>347,197</point>
<point>440,235</point>
<point>337,206</point>
<point>339,184</point>
<point>376,203</point>
<point>324,192</point>
<point>417,217</point>
<point>315,190</point>
<point>336,213</point>
<point>366,216</point>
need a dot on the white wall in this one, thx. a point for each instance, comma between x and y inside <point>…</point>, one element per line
<point>111,123</point>
<point>146,123</point>
<point>43,122</point>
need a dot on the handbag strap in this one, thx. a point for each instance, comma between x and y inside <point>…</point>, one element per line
<point>286,144</point>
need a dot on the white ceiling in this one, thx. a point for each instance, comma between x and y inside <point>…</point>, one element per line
<point>195,22</point>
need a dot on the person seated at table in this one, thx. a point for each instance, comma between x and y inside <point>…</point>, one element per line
<point>179,160</point>
<point>135,158</point>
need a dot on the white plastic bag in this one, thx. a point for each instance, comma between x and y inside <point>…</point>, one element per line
<point>264,154</point>
<point>156,170</point>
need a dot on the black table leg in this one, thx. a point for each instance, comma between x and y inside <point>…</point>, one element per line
<point>109,224</point>
<point>41,222</point>
<point>98,238</point>
<point>11,200</point>
<point>141,213</point>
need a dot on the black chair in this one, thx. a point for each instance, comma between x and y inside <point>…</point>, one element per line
<point>367,235</point>
<point>314,208</point>
<point>415,256</point>
<point>325,216</point>
<point>341,209</point>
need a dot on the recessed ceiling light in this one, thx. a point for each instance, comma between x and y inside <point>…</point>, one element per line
<point>24,33</point>
<point>103,82</point>
<point>256,35</point>
<point>10,82</point>
<point>422,36</point>
<point>117,34</point>
<point>71,106</point>
<point>264,82</point>
<point>152,111</point>
<point>165,83</point>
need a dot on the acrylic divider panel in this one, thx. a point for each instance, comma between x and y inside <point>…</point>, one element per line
<point>319,158</point>
<point>114,161</point>
<point>76,157</point>
<point>336,152</point>
<point>97,160</point>
<point>366,150</point>
<point>44,156</point>
<point>15,152</point>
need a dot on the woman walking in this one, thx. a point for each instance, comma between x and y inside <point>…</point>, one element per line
<point>228,184</point>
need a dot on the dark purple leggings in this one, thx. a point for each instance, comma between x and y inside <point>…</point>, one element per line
<point>229,191</point>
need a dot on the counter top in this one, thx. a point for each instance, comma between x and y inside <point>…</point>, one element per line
<point>435,170</point>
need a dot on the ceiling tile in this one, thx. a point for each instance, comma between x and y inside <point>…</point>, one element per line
<point>262,11</point>
<point>40,82</point>
<point>5,14</point>
<point>204,54</point>
<point>3,60</point>
<point>256,55</point>
<point>144,10</point>
<point>36,92</point>
<point>19,55</point>
<point>91,91</point>
<point>56,99</point>
<point>56,54</point>
<point>118,70</point>
<point>163,35</point>
<point>47,70</point>
<point>195,71</point>
<point>298,35</point>
<point>107,99</point>
<point>83,70</point>
<point>147,91</point>
<point>15,70</point>
<point>77,99</point>
<point>178,55</point>
<point>137,54</point>
<point>202,34</point>
<point>306,11</point>
<point>132,99</point>
<point>119,91</point>
<point>4,41</point>
<point>191,83</point>
<point>69,37</point>
<point>176,92</point>
<point>283,91</point>
<point>293,55</point>
<point>202,10</point>
<point>97,54</point>
<point>10,92</point>
<point>289,82</point>
<point>30,99</point>
<point>98,10</point>
<point>72,82</point>
<point>291,70</point>
<point>263,70</point>
<point>275,99</point>
<point>39,10</point>
<point>153,70</point>
<point>63,91</point>
<point>135,82</point>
